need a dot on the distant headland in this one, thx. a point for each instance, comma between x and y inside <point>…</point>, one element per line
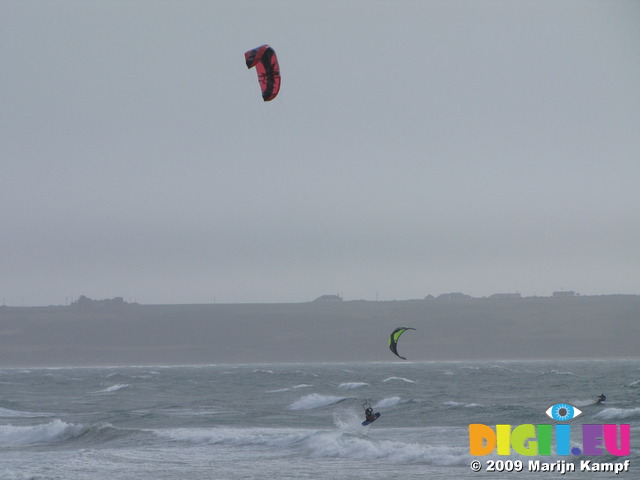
<point>451,326</point>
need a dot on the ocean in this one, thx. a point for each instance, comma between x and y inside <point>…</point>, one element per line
<point>299,421</point>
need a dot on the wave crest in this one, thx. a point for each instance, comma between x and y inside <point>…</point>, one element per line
<point>399,378</point>
<point>7,412</point>
<point>352,385</point>
<point>388,402</point>
<point>314,400</point>
<point>114,388</point>
<point>348,442</point>
<point>52,432</point>
<point>349,446</point>
<point>295,387</point>
<point>618,413</point>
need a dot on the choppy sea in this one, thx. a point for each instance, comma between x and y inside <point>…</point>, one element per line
<point>295,421</point>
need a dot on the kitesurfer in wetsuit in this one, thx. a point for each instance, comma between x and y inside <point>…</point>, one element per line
<point>368,412</point>
<point>601,398</point>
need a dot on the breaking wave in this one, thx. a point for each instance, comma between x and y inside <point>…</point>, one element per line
<point>52,432</point>
<point>60,432</point>
<point>352,385</point>
<point>357,447</point>
<point>340,443</point>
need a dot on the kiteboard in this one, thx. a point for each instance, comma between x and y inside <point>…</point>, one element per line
<point>367,422</point>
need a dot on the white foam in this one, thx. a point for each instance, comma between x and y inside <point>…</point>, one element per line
<point>348,442</point>
<point>333,444</point>
<point>11,475</point>
<point>36,434</point>
<point>304,385</point>
<point>314,400</point>
<point>114,388</point>
<point>460,404</point>
<point>352,385</point>
<point>559,372</point>
<point>618,413</point>
<point>6,412</point>
<point>399,378</point>
<point>388,402</point>
<point>235,437</point>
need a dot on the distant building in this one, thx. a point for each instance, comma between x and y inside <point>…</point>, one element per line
<point>505,296</point>
<point>454,297</point>
<point>329,298</point>
<point>86,302</point>
<point>570,293</point>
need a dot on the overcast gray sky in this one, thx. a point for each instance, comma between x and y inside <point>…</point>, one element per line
<point>416,147</point>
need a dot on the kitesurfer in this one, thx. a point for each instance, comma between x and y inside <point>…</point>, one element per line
<point>601,398</point>
<point>368,412</point>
